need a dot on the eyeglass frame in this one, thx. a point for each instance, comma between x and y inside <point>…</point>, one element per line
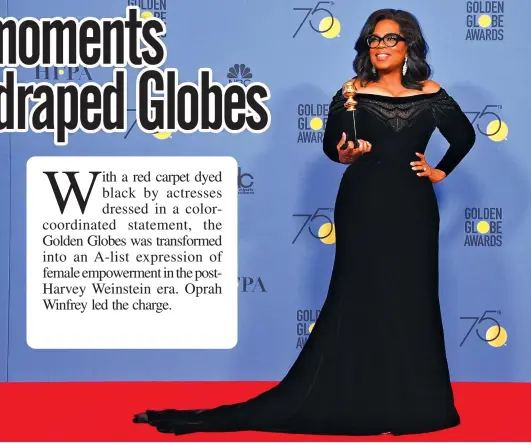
<point>380,39</point>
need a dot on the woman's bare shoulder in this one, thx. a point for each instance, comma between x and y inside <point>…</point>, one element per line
<point>430,86</point>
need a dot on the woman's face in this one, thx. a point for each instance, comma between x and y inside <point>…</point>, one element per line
<point>384,58</point>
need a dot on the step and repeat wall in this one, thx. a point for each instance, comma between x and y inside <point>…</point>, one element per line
<point>303,51</point>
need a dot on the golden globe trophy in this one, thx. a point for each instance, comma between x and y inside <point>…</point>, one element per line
<point>349,92</point>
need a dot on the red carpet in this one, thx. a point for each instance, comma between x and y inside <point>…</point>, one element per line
<point>103,412</point>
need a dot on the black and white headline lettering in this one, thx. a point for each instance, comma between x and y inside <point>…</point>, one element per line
<point>162,104</point>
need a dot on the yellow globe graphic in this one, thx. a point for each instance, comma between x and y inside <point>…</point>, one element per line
<point>496,336</point>
<point>316,123</point>
<point>61,71</point>
<point>146,14</point>
<point>483,227</point>
<point>327,233</point>
<point>310,328</point>
<point>498,129</point>
<point>331,29</point>
<point>162,135</point>
<point>484,21</point>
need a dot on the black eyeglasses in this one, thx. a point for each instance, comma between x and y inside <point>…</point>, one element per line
<point>389,40</point>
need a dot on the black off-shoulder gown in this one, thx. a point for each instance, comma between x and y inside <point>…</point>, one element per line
<point>375,361</point>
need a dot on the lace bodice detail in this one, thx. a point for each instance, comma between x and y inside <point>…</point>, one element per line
<point>403,114</point>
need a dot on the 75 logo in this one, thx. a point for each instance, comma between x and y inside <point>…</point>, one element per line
<point>317,9</point>
<point>326,223</point>
<point>490,321</point>
<point>490,115</point>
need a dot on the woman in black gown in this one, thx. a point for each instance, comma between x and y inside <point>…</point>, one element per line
<point>375,361</point>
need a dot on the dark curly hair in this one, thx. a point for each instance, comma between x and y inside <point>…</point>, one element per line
<point>418,68</point>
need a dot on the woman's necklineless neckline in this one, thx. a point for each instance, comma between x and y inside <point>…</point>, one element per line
<point>398,98</point>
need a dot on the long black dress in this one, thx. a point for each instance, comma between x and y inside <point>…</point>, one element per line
<point>375,361</point>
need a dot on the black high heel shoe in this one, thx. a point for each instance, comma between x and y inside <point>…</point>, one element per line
<point>140,418</point>
<point>173,421</point>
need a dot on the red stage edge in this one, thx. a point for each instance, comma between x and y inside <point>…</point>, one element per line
<point>102,411</point>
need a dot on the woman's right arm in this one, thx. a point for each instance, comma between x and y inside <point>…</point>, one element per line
<point>334,126</point>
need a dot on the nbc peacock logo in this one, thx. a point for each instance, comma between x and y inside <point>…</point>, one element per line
<point>239,73</point>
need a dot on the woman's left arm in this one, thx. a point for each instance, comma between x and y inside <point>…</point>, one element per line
<point>456,128</point>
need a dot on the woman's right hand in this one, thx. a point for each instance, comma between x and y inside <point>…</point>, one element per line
<point>350,154</point>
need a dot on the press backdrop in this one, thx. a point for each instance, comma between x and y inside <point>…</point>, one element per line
<point>478,52</point>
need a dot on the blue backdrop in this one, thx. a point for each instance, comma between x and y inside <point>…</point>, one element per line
<point>478,56</point>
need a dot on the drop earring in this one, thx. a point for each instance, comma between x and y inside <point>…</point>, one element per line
<point>373,70</point>
<point>404,68</point>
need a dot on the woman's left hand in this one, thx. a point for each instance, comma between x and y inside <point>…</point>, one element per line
<point>435,175</point>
